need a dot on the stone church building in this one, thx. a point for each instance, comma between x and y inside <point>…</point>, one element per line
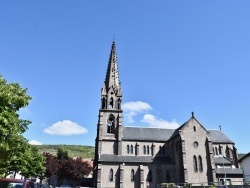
<point>136,157</point>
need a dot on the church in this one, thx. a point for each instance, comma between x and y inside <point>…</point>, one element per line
<point>136,157</point>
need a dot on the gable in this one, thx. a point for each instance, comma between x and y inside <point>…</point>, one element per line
<point>193,126</point>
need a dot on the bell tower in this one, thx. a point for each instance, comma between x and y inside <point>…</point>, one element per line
<point>109,127</point>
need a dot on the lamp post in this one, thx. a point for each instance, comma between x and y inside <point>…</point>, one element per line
<point>225,175</point>
<point>123,174</point>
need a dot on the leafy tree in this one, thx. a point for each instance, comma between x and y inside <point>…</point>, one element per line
<point>33,162</point>
<point>16,154</point>
<point>70,169</point>
<point>79,169</point>
<point>74,169</point>
<point>51,165</point>
<point>62,154</point>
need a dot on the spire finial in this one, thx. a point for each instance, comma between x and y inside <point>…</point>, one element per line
<point>114,38</point>
<point>192,114</point>
<point>220,127</point>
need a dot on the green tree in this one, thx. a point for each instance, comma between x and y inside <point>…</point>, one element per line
<point>16,154</point>
<point>62,154</point>
<point>33,162</point>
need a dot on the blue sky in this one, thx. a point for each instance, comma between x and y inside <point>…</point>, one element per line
<point>174,57</point>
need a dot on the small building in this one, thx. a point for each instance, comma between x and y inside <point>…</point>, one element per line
<point>245,164</point>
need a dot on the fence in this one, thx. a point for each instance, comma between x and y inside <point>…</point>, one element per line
<point>234,184</point>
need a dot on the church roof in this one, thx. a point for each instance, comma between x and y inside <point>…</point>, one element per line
<point>151,134</point>
<point>222,160</point>
<point>217,136</point>
<point>160,134</point>
<point>229,171</point>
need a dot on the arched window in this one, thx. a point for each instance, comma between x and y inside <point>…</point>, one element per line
<point>150,176</point>
<point>230,153</point>
<point>111,102</point>
<point>144,150</point>
<point>103,102</point>
<point>216,151</point>
<point>132,175</point>
<point>195,163</point>
<point>111,124</point>
<point>119,104</point>
<point>200,164</point>
<point>213,151</point>
<point>148,150</point>
<point>194,129</point>
<point>111,175</point>
<point>127,149</point>
<point>131,149</point>
<point>220,150</point>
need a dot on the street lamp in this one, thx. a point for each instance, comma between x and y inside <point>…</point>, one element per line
<point>225,175</point>
<point>122,172</point>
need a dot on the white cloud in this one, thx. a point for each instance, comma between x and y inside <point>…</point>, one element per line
<point>153,121</point>
<point>131,109</point>
<point>34,142</point>
<point>65,127</point>
<point>136,106</point>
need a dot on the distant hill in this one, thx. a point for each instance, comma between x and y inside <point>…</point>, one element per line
<point>85,152</point>
<point>241,155</point>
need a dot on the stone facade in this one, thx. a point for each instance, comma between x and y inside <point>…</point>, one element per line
<point>145,157</point>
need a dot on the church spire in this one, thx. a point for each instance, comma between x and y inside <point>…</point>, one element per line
<point>112,75</point>
<point>112,87</point>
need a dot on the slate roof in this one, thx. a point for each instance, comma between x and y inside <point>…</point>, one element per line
<point>222,160</point>
<point>219,136</point>
<point>151,134</point>
<point>134,159</point>
<point>229,171</point>
<point>160,134</point>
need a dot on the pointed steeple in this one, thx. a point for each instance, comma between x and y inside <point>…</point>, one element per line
<point>112,74</point>
<point>111,90</point>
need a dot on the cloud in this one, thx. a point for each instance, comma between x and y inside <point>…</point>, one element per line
<point>65,127</point>
<point>131,109</point>
<point>153,121</point>
<point>34,142</point>
<point>136,106</point>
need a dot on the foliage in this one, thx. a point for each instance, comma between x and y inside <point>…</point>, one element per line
<point>16,154</point>
<point>73,169</point>
<point>247,183</point>
<point>73,150</point>
<point>33,162</point>
<point>187,184</point>
<point>66,168</point>
<point>62,154</point>
<point>51,165</point>
<point>168,185</point>
<point>212,185</point>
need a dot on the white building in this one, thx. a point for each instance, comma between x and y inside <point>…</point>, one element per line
<point>245,163</point>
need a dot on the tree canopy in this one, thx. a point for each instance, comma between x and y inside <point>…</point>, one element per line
<point>71,169</point>
<point>17,155</point>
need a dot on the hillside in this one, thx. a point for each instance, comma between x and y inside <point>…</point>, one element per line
<point>85,152</point>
